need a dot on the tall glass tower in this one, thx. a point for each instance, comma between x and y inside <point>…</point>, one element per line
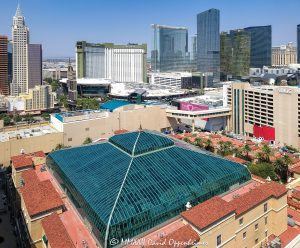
<point>20,41</point>
<point>208,44</point>
<point>298,44</point>
<point>170,50</point>
<point>261,46</point>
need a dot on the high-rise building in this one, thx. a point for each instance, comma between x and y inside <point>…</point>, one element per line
<point>120,63</point>
<point>261,46</point>
<point>34,65</point>
<point>284,54</point>
<point>194,51</point>
<point>170,50</point>
<point>20,39</point>
<point>235,54</point>
<point>10,63</point>
<point>4,87</point>
<point>298,43</point>
<point>208,44</point>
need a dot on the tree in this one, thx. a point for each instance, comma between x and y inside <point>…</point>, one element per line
<point>208,145</point>
<point>263,170</point>
<point>281,166</point>
<point>87,103</point>
<point>199,142</point>
<point>266,153</point>
<point>60,146</point>
<point>63,101</point>
<point>225,148</point>
<point>237,152</point>
<point>88,140</point>
<point>54,85</point>
<point>6,120</point>
<point>28,118</point>
<point>246,149</point>
<point>45,115</point>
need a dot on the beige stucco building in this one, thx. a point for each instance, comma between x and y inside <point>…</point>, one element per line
<point>270,112</point>
<point>77,126</point>
<point>245,220</point>
<point>14,141</point>
<point>284,54</point>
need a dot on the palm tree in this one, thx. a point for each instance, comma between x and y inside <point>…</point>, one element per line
<point>281,167</point>
<point>59,147</point>
<point>267,152</point>
<point>246,149</point>
<point>237,152</point>
<point>199,142</point>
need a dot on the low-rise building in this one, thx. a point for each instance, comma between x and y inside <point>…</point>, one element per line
<point>28,139</point>
<point>241,219</point>
<point>96,124</point>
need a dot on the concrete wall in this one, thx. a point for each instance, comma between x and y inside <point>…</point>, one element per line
<point>129,117</point>
<point>13,147</point>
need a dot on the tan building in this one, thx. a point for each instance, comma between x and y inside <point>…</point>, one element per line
<point>245,220</point>
<point>38,98</point>
<point>77,126</point>
<point>284,55</point>
<point>38,200</point>
<point>14,141</point>
<point>269,112</point>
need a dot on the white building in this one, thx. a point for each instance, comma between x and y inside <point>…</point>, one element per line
<point>168,79</point>
<point>119,63</point>
<point>284,54</point>
<point>20,41</point>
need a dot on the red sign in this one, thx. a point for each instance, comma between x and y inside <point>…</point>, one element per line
<point>268,133</point>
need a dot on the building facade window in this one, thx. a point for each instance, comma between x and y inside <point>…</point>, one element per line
<point>256,227</point>
<point>265,207</point>
<point>244,235</point>
<point>266,234</point>
<point>69,139</point>
<point>266,220</point>
<point>241,221</point>
<point>256,241</point>
<point>219,240</point>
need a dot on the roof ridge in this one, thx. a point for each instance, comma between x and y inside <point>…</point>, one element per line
<point>119,193</point>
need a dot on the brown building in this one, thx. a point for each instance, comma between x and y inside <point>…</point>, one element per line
<point>4,86</point>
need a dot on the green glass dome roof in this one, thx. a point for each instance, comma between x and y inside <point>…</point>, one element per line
<point>138,180</point>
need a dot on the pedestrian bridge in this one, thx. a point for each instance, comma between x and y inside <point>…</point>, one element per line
<point>202,114</point>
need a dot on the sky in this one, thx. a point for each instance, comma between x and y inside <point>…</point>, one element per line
<point>58,24</point>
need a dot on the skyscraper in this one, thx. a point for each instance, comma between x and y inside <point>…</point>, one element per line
<point>235,54</point>
<point>298,43</point>
<point>261,46</point>
<point>10,59</point>
<point>170,50</point>
<point>208,44</point>
<point>194,51</point>
<point>20,39</point>
<point>34,65</point>
<point>4,87</point>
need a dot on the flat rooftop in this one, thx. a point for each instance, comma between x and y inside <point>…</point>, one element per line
<point>27,133</point>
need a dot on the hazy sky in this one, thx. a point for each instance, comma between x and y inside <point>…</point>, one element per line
<point>58,24</point>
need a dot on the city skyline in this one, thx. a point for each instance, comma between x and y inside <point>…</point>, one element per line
<point>56,25</point>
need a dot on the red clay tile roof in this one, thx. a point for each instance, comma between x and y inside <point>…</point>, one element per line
<point>185,236</point>
<point>21,161</point>
<point>214,209</point>
<point>30,177</point>
<point>295,168</point>
<point>25,160</point>
<point>56,232</point>
<point>287,236</point>
<point>236,159</point>
<point>257,178</point>
<point>293,203</point>
<point>120,131</point>
<point>296,195</point>
<point>40,197</point>
<point>257,195</point>
<point>208,212</point>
